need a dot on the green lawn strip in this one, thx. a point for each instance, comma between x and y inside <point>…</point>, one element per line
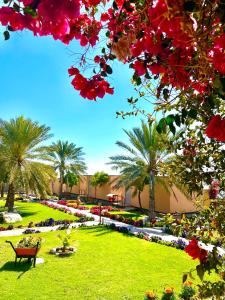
<point>130,215</point>
<point>108,265</point>
<point>35,212</point>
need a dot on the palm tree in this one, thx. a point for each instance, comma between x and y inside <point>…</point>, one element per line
<point>22,157</point>
<point>142,161</point>
<point>99,179</point>
<point>66,158</point>
<point>3,180</point>
<point>132,175</point>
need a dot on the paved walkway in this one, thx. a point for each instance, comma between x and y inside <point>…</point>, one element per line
<point>134,230</point>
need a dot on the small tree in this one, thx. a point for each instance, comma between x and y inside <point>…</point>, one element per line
<point>71,179</point>
<point>99,179</point>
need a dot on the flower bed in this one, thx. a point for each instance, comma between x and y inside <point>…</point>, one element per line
<point>51,222</point>
<point>68,211</point>
<point>73,203</point>
<point>96,209</point>
<point>120,218</point>
<point>178,244</point>
<point>30,231</point>
<point>105,211</point>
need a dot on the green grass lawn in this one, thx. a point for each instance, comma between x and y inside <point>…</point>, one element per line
<point>130,215</point>
<point>35,212</point>
<point>107,266</point>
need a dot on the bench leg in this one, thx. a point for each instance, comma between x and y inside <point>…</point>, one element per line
<point>34,261</point>
<point>15,261</point>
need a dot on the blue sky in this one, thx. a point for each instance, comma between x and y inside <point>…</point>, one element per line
<point>35,83</point>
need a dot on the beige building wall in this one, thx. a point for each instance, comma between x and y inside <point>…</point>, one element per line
<point>166,199</point>
<point>162,199</point>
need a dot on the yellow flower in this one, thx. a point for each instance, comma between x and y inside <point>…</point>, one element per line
<point>168,290</point>
<point>187,283</point>
<point>150,294</point>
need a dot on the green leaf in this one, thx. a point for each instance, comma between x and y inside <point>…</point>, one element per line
<point>137,79</point>
<point>172,128</point>
<point>30,11</point>
<point>177,120</point>
<point>184,114</point>
<point>108,69</point>
<point>161,127</point>
<point>222,80</point>
<point>115,5</point>
<point>107,33</point>
<point>170,119</point>
<point>193,113</point>
<point>16,7</point>
<point>6,35</point>
<point>210,100</point>
<point>165,94</point>
<point>217,83</point>
<point>147,76</point>
<point>140,34</point>
<point>104,74</point>
<point>9,28</point>
<point>185,276</point>
<point>200,271</point>
<point>189,6</point>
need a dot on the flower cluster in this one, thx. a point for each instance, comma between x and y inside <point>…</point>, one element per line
<point>104,209</point>
<point>195,251</point>
<point>151,295</point>
<point>168,294</point>
<point>29,242</point>
<point>187,291</point>
<point>216,128</point>
<point>91,88</point>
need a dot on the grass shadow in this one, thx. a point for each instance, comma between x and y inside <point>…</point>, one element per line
<point>21,267</point>
<point>97,230</point>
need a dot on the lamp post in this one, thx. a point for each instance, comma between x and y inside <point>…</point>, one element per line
<point>100,212</point>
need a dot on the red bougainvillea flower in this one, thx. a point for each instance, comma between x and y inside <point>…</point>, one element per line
<point>139,67</point>
<point>218,54</point>
<point>57,10</point>
<point>216,128</point>
<point>91,88</point>
<point>195,251</point>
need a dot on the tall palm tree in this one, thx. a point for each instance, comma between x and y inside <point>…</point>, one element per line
<point>22,156</point>
<point>142,161</point>
<point>132,175</point>
<point>66,158</point>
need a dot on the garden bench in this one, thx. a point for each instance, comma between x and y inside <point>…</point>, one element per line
<point>29,253</point>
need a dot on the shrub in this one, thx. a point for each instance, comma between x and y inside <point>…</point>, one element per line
<point>187,291</point>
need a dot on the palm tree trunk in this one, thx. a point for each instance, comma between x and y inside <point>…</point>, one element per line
<point>61,185</point>
<point>95,191</point>
<point>152,195</point>
<point>10,197</point>
<point>2,189</point>
<point>139,199</point>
